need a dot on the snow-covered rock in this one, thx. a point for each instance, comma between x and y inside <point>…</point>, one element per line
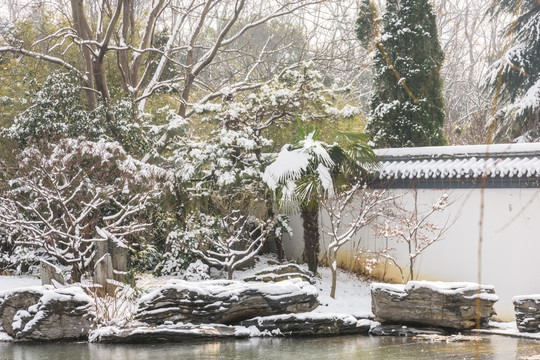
<point>442,304</point>
<point>41,313</point>
<point>310,324</point>
<point>224,301</point>
<point>527,309</point>
<point>168,333</point>
<point>282,272</point>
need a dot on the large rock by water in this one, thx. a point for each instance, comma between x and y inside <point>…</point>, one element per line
<point>527,309</point>
<point>169,333</point>
<point>440,304</point>
<point>310,324</point>
<point>43,313</point>
<point>224,301</point>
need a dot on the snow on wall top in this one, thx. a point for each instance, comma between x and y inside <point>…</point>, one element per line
<point>468,161</point>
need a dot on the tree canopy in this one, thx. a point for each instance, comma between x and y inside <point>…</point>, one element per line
<point>514,79</point>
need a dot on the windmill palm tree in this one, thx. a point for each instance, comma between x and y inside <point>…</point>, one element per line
<point>308,171</point>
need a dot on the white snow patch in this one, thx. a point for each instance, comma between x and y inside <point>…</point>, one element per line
<point>5,337</point>
<point>14,282</point>
<point>507,329</point>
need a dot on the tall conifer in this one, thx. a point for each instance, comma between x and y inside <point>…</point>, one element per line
<point>407,108</point>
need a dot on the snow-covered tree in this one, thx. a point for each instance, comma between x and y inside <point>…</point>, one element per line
<point>61,197</point>
<point>415,229</point>
<point>219,174</point>
<point>407,108</point>
<point>305,173</point>
<point>57,110</point>
<point>349,210</point>
<point>514,79</point>
<point>238,239</point>
<point>300,177</point>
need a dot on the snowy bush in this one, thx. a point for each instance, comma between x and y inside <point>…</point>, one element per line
<point>60,197</point>
<point>57,111</point>
<point>200,231</point>
<point>197,271</point>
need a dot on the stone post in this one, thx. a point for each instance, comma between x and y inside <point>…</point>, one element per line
<point>48,272</point>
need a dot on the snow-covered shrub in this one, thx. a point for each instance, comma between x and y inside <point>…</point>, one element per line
<point>117,309</point>
<point>197,271</point>
<point>57,110</point>
<point>60,197</point>
<point>414,228</point>
<point>240,238</point>
<point>20,259</point>
<point>200,231</point>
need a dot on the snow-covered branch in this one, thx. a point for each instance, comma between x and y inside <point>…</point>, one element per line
<point>349,211</point>
<point>61,194</point>
<point>413,227</point>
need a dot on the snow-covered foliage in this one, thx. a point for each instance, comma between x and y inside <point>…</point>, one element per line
<point>284,176</point>
<point>19,259</point>
<point>197,271</point>
<point>60,197</point>
<point>57,110</point>
<point>199,230</point>
<point>515,76</point>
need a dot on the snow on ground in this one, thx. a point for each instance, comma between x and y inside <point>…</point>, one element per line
<point>353,295</point>
<point>508,329</point>
<point>13,282</point>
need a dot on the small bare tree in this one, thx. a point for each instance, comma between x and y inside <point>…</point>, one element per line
<point>349,211</point>
<point>415,229</point>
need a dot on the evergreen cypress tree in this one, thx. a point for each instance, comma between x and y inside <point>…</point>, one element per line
<point>515,78</point>
<point>407,108</point>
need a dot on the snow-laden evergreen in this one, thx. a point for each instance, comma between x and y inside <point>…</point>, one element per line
<point>514,79</point>
<point>407,108</point>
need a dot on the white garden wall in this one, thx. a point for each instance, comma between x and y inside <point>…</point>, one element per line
<point>510,250</point>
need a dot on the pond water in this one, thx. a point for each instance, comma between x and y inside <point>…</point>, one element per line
<point>342,348</point>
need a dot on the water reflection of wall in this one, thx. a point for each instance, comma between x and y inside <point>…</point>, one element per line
<point>511,241</point>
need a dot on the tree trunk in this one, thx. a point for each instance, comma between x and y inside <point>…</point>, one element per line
<point>333,267</point>
<point>310,217</point>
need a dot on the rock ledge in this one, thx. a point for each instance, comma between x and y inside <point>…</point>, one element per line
<point>439,304</point>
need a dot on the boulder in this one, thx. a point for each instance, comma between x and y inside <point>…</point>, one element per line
<point>527,309</point>
<point>169,333</point>
<point>282,272</point>
<point>224,301</point>
<point>310,324</point>
<point>43,313</point>
<point>440,304</point>
<point>12,301</point>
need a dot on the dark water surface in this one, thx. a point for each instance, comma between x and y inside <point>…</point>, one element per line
<point>342,348</point>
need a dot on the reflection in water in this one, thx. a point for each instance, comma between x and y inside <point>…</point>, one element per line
<point>342,348</point>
